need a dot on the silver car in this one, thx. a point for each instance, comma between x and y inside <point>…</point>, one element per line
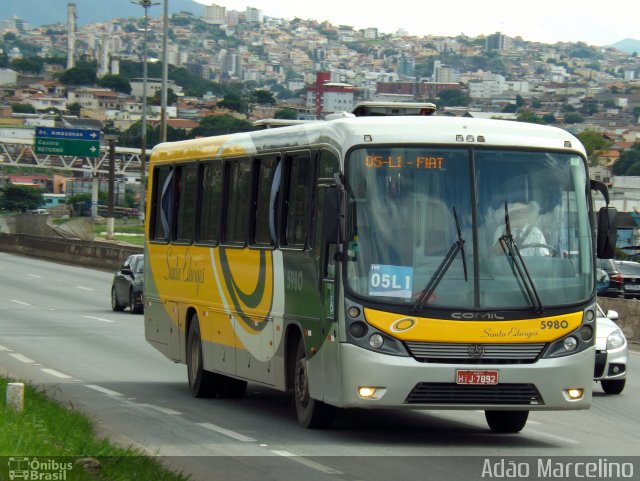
<point>611,353</point>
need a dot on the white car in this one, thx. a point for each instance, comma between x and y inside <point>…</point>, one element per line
<point>611,353</point>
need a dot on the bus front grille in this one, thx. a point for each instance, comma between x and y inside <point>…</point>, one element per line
<point>451,393</point>
<point>468,353</point>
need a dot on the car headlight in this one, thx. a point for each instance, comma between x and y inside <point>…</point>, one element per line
<point>615,340</point>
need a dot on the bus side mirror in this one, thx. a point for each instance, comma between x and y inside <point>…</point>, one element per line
<point>607,233</point>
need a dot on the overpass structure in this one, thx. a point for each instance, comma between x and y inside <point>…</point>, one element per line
<point>20,152</point>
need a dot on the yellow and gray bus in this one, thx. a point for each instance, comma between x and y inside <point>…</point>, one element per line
<point>375,262</point>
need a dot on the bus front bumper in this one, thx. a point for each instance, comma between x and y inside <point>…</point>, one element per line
<point>403,382</point>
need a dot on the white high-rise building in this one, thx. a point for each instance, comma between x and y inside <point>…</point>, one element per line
<point>215,14</point>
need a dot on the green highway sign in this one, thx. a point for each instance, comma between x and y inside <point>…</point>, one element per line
<point>70,142</point>
<point>74,148</point>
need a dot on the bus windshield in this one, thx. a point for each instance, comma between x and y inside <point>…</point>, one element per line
<point>468,228</point>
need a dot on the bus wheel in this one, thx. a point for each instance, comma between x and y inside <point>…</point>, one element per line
<point>311,413</point>
<point>506,421</point>
<point>613,386</point>
<point>201,382</point>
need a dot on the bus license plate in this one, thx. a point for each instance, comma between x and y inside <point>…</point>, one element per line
<point>476,377</point>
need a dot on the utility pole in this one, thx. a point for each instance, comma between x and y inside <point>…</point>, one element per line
<point>165,73</point>
<point>146,4</point>
<point>110,201</point>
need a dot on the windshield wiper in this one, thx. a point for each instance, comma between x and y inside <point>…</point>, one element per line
<point>510,248</point>
<point>457,246</point>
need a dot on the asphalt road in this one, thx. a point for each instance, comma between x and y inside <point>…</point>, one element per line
<point>57,330</point>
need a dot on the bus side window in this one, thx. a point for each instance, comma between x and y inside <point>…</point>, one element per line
<point>186,203</point>
<point>266,202</point>
<point>161,203</point>
<point>298,201</point>
<point>238,199</point>
<point>327,165</point>
<point>210,203</point>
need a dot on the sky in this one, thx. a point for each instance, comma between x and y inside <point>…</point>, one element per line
<point>547,21</point>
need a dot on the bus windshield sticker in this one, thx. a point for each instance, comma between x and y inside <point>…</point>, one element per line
<point>390,281</point>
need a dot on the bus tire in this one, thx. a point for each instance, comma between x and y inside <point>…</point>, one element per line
<point>202,383</point>
<point>506,421</point>
<point>613,386</point>
<point>311,413</point>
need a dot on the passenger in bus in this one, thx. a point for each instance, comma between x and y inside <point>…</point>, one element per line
<point>527,236</point>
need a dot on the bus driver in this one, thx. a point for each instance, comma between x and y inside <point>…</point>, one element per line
<point>527,236</point>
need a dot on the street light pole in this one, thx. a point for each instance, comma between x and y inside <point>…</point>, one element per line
<point>111,139</point>
<point>143,127</point>
<point>165,73</point>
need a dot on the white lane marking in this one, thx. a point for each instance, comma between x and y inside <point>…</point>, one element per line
<point>33,275</point>
<point>20,302</point>
<point>227,432</point>
<point>307,462</point>
<point>98,319</point>
<point>55,373</point>
<point>552,436</point>
<point>2,348</point>
<point>22,358</point>
<point>161,409</point>
<point>84,288</point>
<point>103,390</point>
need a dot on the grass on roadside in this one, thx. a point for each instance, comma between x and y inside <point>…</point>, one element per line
<point>46,429</point>
<point>132,232</point>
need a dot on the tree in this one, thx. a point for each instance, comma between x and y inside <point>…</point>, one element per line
<point>626,160</point>
<point>548,118</point>
<point>634,169</point>
<point>263,97</point>
<point>221,124</point>
<point>172,98</point>
<point>27,65</point>
<point>117,83</point>
<point>573,118</point>
<point>452,98</point>
<point>234,101</point>
<point>74,108</point>
<point>20,198</point>
<point>289,114</point>
<point>530,117</point>
<point>78,76</point>
<point>23,109</point>
<point>593,141</point>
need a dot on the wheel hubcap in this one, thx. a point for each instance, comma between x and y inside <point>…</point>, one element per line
<point>301,386</point>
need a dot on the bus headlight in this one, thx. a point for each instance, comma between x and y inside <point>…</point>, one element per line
<point>358,329</point>
<point>570,344</point>
<point>376,341</point>
<point>586,332</point>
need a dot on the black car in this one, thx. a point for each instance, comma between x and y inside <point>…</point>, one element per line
<point>126,290</point>
<point>631,274</point>
<point>616,281</point>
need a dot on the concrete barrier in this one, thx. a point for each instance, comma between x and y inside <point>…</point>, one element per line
<point>104,255</point>
<point>629,315</point>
